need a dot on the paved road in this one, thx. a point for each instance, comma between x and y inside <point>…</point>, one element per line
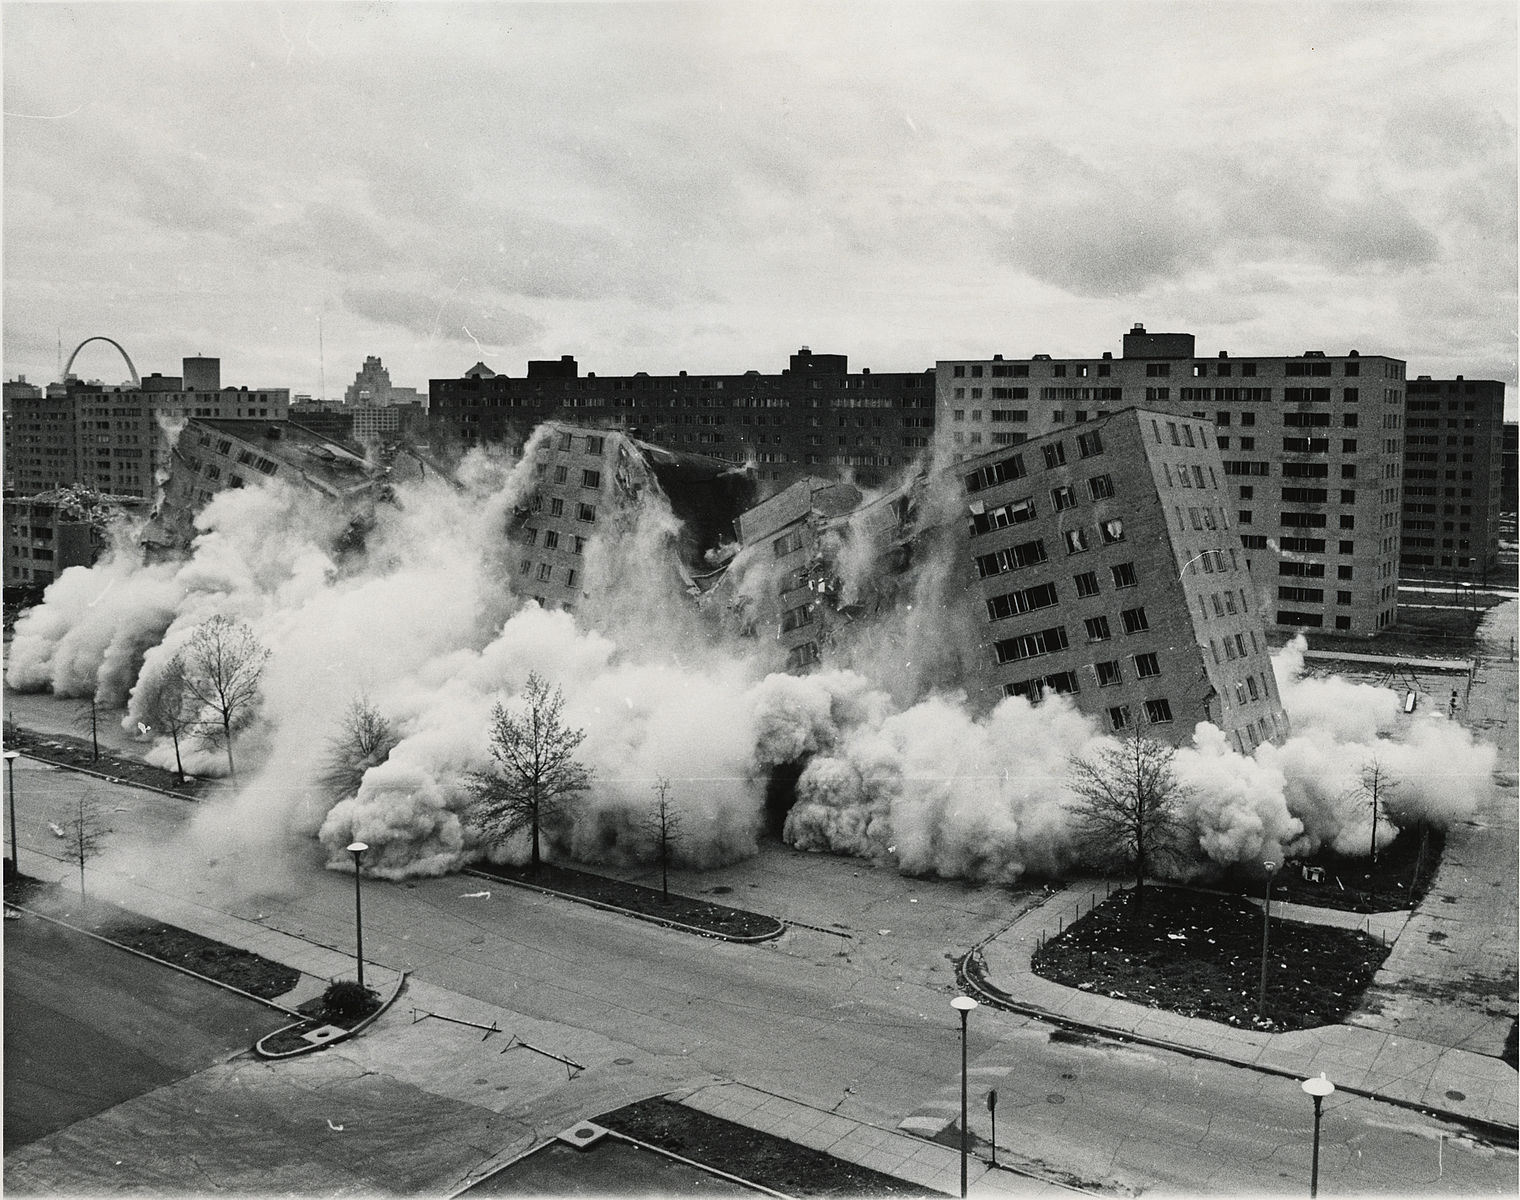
<point>859,1026</point>
<point>88,1026</point>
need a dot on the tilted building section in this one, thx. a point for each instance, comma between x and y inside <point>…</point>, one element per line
<point>1313,445</point>
<point>587,481</point>
<point>1105,565</point>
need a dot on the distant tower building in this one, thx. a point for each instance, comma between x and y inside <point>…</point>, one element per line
<point>203,374</point>
<point>372,385</point>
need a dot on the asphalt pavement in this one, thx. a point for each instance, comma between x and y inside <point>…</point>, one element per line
<point>871,923</point>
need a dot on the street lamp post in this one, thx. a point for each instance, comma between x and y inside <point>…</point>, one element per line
<point>963,1005</point>
<point>1266,927</point>
<point>1319,1089</point>
<point>357,849</point>
<point>10,778</point>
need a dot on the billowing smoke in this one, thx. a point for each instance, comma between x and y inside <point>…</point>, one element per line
<point>427,622</point>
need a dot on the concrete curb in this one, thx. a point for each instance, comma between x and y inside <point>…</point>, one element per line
<point>970,975</point>
<point>150,958</point>
<point>102,776</point>
<point>282,1055</point>
<point>741,939</point>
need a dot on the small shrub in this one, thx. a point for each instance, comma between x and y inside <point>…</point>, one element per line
<point>345,998</point>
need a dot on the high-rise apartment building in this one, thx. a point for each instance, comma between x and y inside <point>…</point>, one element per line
<point>1105,560</point>
<point>116,439</point>
<point>1312,446</point>
<point>814,418</point>
<point>1453,476</point>
<point>1097,561</point>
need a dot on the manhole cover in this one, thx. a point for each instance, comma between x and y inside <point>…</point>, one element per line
<point>1456,1095</point>
<point>1055,1098</point>
<point>622,1062</point>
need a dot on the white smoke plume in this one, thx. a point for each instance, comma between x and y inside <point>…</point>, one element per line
<point>890,762</point>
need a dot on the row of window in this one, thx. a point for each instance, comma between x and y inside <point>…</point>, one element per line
<point>546,573</point>
<point>583,511</point>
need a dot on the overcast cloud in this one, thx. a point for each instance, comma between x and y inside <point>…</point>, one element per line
<point>708,186</point>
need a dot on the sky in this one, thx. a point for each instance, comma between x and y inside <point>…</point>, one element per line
<point>710,186</point>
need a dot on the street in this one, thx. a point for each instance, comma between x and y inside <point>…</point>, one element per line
<point>859,1025</point>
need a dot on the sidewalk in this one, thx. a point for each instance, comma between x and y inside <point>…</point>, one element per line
<point>1440,1079</point>
<point>902,1155</point>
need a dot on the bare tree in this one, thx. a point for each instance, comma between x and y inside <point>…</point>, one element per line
<point>83,832</point>
<point>223,665</point>
<point>364,739</point>
<point>166,708</point>
<point>87,716</point>
<point>536,776</point>
<point>1375,787</point>
<point>1128,804</point>
<point>664,824</point>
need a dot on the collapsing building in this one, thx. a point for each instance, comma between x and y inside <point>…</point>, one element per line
<point>584,480</point>
<point>212,455</point>
<point>1107,570</point>
<point>1096,562</point>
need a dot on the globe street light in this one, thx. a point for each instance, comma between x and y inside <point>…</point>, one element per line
<point>963,1005</point>
<point>10,778</point>
<point>1319,1089</point>
<point>1266,924</point>
<point>357,849</point>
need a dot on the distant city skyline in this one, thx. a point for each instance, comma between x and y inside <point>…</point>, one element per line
<point>707,187</point>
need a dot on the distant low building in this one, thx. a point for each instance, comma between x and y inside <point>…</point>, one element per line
<point>50,532</point>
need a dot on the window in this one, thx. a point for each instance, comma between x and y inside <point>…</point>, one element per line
<point>1062,497</point>
<point>593,445</point>
<point>561,474</point>
<point>1134,620</point>
<point>1146,665</point>
<point>1100,487</point>
<point>1014,513</point>
<point>551,539</point>
<point>1001,471</point>
<point>570,577</point>
<point>556,507</point>
<point>585,512</point>
<point>1089,444</point>
<point>1118,717</point>
<point>1112,531</point>
<point>1124,575</point>
<point>1087,583</point>
<point>580,544</point>
<point>565,441</point>
<point>794,618</point>
<point>1011,604</point>
<point>1097,629</point>
<point>1031,645</point>
<point>802,656</point>
<point>1109,674</point>
<point>1055,453</point>
<point>1026,554</point>
<point>787,543</point>
<point>1158,712</point>
<point>1076,541</point>
<point>591,479</point>
<point>545,570</point>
